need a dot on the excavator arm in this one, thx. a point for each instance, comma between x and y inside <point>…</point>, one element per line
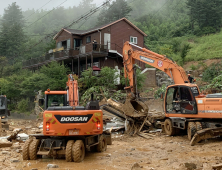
<point>151,58</point>
<point>72,89</point>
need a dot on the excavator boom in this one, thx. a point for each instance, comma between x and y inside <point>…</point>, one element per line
<point>151,58</point>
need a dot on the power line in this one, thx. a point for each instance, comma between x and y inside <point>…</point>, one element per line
<point>160,9</point>
<point>37,10</point>
<point>44,15</point>
<point>86,16</point>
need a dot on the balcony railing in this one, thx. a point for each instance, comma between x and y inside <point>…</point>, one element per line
<point>62,54</point>
<point>50,57</point>
<point>92,47</point>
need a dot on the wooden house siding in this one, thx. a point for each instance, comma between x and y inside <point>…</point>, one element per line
<point>121,32</point>
<point>63,37</point>
<point>111,62</point>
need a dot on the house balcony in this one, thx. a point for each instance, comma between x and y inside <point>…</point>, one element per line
<point>62,54</point>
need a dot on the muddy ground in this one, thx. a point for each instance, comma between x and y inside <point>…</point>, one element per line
<point>159,152</point>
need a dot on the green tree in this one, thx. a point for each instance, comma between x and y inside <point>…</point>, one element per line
<point>105,78</point>
<point>207,14</point>
<point>114,11</point>
<point>56,76</point>
<point>184,51</point>
<point>12,34</point>
<point>140,79</point>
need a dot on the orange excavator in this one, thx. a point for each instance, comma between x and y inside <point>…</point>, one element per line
<point>68,129</point>
<point>184,107</point>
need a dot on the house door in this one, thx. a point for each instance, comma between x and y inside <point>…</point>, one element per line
<point>77,43</point>
<point>68,44</point>
<point>107,41</point>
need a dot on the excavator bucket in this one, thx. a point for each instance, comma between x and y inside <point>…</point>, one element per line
<point>135,108</point>
<point>131,108</point>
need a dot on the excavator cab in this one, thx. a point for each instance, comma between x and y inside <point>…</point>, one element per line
<point>54,98</point>
<point>4,112</point>
<point>180,99</point>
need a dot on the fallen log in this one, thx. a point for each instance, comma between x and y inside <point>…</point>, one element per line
<point>205,134</point>
<point>113,111</point>
<point>217,167</point>
<point>116,105</point>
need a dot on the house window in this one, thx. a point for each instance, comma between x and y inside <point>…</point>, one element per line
<point>64,44</point>
<point>133,40</point>
<point>88,39</point>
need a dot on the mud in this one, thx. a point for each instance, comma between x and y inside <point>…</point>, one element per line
<point>160,152</point>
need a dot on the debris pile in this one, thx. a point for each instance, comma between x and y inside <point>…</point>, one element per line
<point>12,140</point>
<point>133,116</point>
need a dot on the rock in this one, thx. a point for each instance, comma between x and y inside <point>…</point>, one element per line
<point>108,155</point>
<point>14,160</point>
<point>217,166</point>
<point>40,125</point>
<point>16,146</point>
<point>16,129</point>
<point>177,166</point>
<point>132,149</point>
<point>52,166</point>
<point>19,150</point>
<point>206,166</point>
<point>34,169</point>
<point>136,166</point>
<point>2,159</point>
<point>29,164</point>
<point>22,136</point>
<point>190,166</point>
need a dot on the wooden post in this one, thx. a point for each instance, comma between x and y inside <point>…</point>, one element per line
<point>72,65</point>
<point>91,60</point>
<point>0,127</point>
<point>78,67</point>
<point>86,62</point>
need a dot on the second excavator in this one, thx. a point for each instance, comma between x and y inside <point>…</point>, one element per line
<point>185,107</point>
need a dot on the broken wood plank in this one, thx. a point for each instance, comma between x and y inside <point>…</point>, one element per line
<point>5,144</point>
<point>144,135</point>
<point>143,123</point>
<point>14,135</point>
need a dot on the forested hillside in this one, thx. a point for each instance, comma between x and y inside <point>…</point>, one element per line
<point>184,30</point>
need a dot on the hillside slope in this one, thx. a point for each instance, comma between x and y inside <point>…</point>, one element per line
<point>205,47</point>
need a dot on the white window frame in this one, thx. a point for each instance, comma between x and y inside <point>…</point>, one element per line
<point>59,44</point>
<point>134,40</point>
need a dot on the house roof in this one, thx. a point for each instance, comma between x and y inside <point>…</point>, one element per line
<point>84,32</point>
